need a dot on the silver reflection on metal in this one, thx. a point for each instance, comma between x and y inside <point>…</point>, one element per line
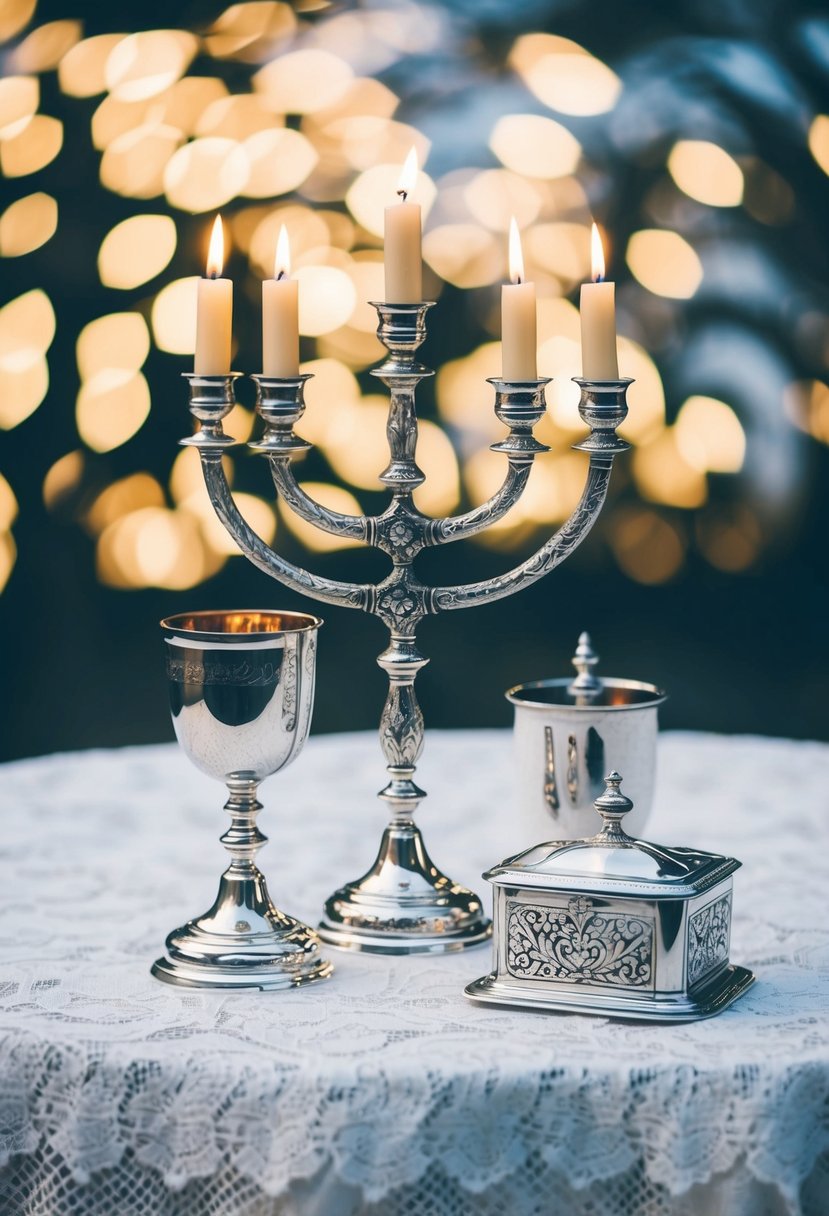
<point>613,925</point>
<point>404,903</point>
<point>241,692</point>
<point>578,728</point>
<point>586,683</point>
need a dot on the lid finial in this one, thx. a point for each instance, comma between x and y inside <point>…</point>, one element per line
<point>584,660</point>
<point>613,805</point>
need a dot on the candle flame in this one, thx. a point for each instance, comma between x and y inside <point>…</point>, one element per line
<point>216,252</point>
<point>516,256</point>
<point>597,254</point>
<point>408,175</point>
<point>282,260</point>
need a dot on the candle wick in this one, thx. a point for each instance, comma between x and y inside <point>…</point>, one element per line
<point>280,276</point>
<point>402,195</point>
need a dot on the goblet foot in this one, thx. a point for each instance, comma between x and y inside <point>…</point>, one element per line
<point>243,941</point>
<point>404,905</point>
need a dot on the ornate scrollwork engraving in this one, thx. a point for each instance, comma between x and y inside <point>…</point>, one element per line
<point>578,945</point>
<point>243,674</point>
<point>709,933</point>
<point>310,655</point>
<point>289,682</point>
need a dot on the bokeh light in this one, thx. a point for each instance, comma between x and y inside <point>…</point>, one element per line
<point>565,76</point>
<point>82,70</point>
<point>62,478</point>
<point>251,31</point>
<point>807,405</point>
<point>119,340</point>
<point>327,299</point>
<point>709,436</point>
<point>15,15</point>
<point>35,145</point>
<point>19,99</point>
<point>303,81</point>
<point>648,547</point>
<point>664,474</point>
<point>665,263</point>
<point>134,164</point>
<point>174,316</point>
<point>535,146</point>
<point>43,49</point>
<point>819,140</point>
<point>144,65</point>
<point>112,405</point>
<point>706,172</point>
<point>27,224</point>
<point>205,174</point>
<point>136,250</point>
<point>27,329</point>
<point>282,115</point>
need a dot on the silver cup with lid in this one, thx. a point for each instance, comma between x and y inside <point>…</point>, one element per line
<point>569,733</point>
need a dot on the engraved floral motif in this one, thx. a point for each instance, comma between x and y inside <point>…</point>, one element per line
<point>709,931</point>
<point>402,539</point>
<point>401,727</point>
<point>399,602</point>
<point>579,945</point>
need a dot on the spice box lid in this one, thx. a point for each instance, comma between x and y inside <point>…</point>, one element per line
<point>612,862</point>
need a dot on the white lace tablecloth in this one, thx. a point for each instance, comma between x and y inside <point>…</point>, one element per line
<point>384,1091</point>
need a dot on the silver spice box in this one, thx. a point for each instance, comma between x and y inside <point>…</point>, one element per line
<point>614,926</point>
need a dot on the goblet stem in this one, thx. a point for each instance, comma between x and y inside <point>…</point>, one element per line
<point>243,839</point>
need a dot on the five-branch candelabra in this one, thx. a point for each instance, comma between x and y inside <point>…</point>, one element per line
<point>403,903</point>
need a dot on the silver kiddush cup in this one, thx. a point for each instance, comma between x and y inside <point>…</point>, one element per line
<point>241,692</point>
<point>569,733</point>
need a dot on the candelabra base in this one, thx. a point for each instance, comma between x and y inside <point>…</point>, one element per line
<point>244,941</point>
<point>404,905</point>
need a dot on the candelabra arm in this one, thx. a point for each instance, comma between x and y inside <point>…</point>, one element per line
<point>280,403</point>
<point>458,527</point>
<point>571,534</point>
<point>604,408</point>
<point>520,405</point>
<point>330,591</point>
<point>356,527</point>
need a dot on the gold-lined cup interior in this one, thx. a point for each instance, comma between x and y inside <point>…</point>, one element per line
<point>241,622</point>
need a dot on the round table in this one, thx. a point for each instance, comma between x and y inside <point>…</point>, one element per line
<point>384,1091</point>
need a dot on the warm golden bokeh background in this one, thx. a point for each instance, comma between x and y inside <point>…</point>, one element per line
<point>697,142</point>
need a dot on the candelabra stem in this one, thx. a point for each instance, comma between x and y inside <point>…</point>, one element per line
<point>401,728</point>
<point>403,904</point>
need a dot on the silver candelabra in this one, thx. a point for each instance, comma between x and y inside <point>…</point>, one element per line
<point>403,903</point>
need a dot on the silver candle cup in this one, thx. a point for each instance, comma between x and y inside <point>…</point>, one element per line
<point>241,689</point>
<point>569,733</point>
